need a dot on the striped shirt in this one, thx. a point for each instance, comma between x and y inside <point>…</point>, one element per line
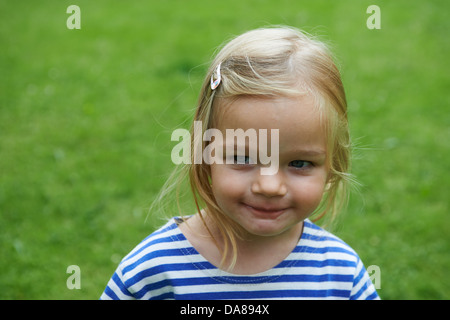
<point>166,266</point>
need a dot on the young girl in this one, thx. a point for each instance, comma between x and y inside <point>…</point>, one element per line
<point>251,237</point>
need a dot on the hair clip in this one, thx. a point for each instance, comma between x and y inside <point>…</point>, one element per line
<point>217,76</point>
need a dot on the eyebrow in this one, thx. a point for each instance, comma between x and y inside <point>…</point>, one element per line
<point>309,152</point>
<point>306,152</point>
<point>300,152</point>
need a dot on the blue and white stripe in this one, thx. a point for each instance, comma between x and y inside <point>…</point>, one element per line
<point>166,266</point>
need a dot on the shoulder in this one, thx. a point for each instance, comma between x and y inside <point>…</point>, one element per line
<point>161,235</point>
<point>163,247</point>
<point>336,253</point>
<point>315,236</point>
<point>145,263</point>
<point>326,248</point>
<point>154,245</point>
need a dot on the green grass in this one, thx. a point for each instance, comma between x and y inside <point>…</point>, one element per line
<point>86,117</point>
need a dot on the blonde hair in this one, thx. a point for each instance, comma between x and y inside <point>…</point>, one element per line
<point>272,62</point>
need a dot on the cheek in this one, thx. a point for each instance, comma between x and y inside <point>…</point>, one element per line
<point>309,193</point>
<point>226,184</point>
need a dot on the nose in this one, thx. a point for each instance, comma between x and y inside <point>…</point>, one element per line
<point>269,185</point>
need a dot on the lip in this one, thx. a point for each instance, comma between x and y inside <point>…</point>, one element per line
<point>265,211</point>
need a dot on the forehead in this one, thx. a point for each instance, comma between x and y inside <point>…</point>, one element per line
<point>298,119</point>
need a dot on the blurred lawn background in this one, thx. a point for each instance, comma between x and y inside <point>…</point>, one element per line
<point>86,117</point>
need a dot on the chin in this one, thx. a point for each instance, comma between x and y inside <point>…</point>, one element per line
<point>267,228</point>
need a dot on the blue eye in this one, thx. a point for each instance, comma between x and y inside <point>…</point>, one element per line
<point>300,164</point>
<point>243,160</point>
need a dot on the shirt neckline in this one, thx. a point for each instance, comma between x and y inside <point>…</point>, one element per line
<point>220,275</point>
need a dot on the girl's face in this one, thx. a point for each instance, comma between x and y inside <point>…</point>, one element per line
<point>269,205</point>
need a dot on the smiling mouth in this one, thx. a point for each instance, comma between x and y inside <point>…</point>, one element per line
<point>272,212</point>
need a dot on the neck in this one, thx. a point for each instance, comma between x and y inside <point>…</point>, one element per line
<point>255,253</point>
